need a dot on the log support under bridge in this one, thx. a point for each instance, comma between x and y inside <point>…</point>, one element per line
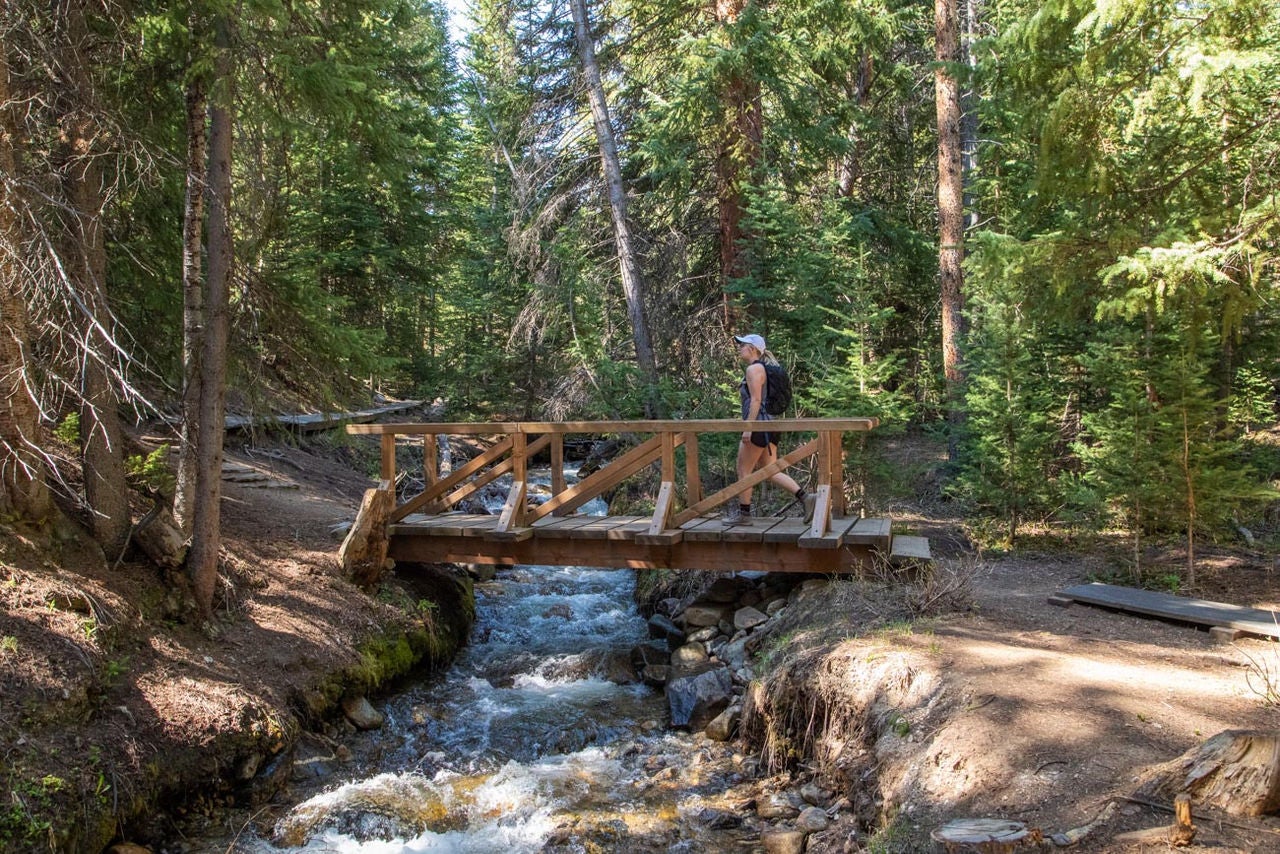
<point>683,532</point>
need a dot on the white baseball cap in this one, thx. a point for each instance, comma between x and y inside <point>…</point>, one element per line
<point>756,341</point>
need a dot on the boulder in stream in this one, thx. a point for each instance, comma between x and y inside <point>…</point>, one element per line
<point>361,713</point>
<point>697,696</point>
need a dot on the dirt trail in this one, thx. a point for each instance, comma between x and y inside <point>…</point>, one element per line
<point>1044,715</point>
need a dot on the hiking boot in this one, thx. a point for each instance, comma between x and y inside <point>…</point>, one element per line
<point>810,504</point>
<point>735,516</point>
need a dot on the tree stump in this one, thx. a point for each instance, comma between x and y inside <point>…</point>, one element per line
<point>981,836</point>
<point>160,538</point>
<point>363,553</point>
<point>1237,771</point>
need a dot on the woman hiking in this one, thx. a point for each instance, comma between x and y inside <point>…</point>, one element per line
<point>759,448</point>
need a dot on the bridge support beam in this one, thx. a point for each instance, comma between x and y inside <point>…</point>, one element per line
<point>712,556</point>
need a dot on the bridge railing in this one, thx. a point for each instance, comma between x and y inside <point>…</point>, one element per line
<point>519,441</point>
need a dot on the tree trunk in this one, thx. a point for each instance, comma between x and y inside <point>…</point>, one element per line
<point>851,165</point>
<point>736,161</point>
<point>23,491</point>
<point>632,280</point>
<point>950,201</point>
<point>202,560</point>
<point>101,438</point>
<point>192,301</point>
<point>969,117</point>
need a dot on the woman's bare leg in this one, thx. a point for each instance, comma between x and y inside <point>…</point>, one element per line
<point>749,457</point>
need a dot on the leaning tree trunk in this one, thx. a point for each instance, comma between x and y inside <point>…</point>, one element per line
<point>950,201</point>
<point>23,491</point>
<point>192,301</point>
<point>101,437</point>
<point>632,280</point>
<point>202,560</point>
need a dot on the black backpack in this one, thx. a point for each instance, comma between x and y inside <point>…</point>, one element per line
<point>777,393</point>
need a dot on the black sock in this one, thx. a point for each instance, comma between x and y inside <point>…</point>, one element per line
<point>745,508</point>
<point>800,494</point>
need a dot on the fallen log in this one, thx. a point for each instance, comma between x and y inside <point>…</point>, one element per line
<point>983,836</point>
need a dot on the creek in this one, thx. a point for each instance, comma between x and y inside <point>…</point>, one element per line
<point>538,737</point>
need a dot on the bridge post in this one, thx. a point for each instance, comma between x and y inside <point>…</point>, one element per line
<point>512,518</point>
<point>430,460</point>
<point>693,477</point>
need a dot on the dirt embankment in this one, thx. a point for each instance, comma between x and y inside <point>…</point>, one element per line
<point>999,705</point>
<point>112,705</point>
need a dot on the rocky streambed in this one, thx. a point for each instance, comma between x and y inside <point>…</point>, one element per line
<point>570,723</point>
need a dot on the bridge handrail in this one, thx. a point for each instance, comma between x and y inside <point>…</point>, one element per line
<point>522,439</point>
<point>703,425</point>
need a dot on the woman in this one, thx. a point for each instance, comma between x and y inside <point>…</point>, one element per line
<point>758,448</point>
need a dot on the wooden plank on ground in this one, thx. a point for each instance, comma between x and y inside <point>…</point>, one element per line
<point>832,539</point>
<point>1203,612</point>
<point>870,532</point>
<point>910,550</point>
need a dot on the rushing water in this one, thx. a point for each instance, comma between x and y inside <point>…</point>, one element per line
<point>526,744</point>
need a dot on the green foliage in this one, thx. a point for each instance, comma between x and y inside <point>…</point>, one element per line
<point>68,430</point>
<point>1009,434</point>
<point>151,472</point>
<point>1253,399</point>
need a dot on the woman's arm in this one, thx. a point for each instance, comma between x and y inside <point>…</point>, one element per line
<point>755,386</point>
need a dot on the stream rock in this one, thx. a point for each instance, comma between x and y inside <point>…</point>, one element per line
<point>693,699</point>
<point>783,841</point>
<point>748,618</point>
<point>662,628</point>
<point>775,806</point>
<point>361,713</point>
<point>689,655</point>
<point>701,614</point>
<point>724,725</point>
<point>648,654</point>
<point>722,591</point>
<point>813,820</point>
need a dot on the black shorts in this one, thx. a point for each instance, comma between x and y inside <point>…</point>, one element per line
<point>764,439</point>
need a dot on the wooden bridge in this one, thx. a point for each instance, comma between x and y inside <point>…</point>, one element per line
<point>683,532</point>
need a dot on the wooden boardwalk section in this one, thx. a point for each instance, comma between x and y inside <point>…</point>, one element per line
<point>1224,620</point>
<point>683,532</point>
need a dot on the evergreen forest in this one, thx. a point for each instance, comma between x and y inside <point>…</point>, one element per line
<point>1046,232</point>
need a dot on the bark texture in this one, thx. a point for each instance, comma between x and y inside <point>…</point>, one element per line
<point>101,436</point>
<point>1237,771</point>
<point>363,554</point>
<point>950,198</point>
<point>202,560</point>
<point>192,300</point>
<point>23,491</point>
<point>737,159</point>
